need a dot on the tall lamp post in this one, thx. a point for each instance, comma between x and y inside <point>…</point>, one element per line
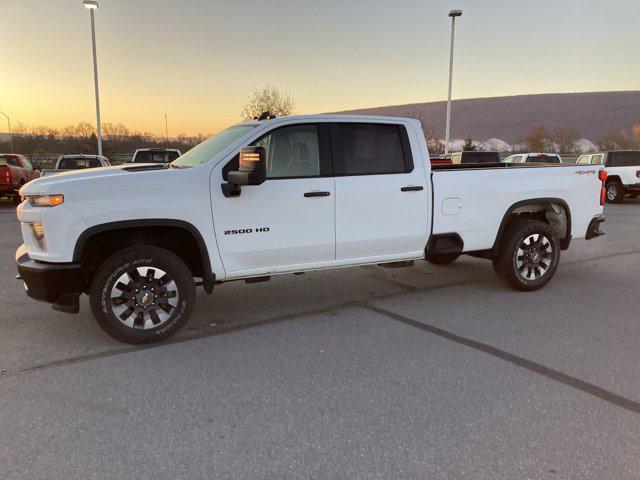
<point>453,14</point>
<point>92,5</point>
<point>10,136</point>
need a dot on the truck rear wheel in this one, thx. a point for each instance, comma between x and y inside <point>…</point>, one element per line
<point>142,294</point>
<point>615,192</point>
<point>528,255</point>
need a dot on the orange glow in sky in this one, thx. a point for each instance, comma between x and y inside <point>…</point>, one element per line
<point>199,60</point>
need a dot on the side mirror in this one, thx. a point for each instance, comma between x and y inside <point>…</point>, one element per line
<point>252,171</point>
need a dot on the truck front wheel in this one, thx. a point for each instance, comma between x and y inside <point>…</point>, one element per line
<point>528,255</point>
<point>142,294</point>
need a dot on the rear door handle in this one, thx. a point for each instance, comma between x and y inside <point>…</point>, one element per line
<point>317,194</point>
<point>415,188</point>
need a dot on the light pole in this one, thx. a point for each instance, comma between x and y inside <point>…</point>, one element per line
<point>10,136</point>
<point>92,5</point>
<point>453,14</point>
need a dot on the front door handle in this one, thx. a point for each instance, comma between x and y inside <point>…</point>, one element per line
<point>414,188</point>
<point>317,194</point>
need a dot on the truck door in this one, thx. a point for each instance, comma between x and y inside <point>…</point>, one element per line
<point>382,201</point>
<point>287,221</point>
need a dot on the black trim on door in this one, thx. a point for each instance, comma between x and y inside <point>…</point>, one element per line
<point>413,188</point>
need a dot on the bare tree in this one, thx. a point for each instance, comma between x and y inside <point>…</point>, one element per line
<point>434,142</point>
<point>538,140</point>
<point>268,99</point>
<point>566,138</point>
<point>616,139</point>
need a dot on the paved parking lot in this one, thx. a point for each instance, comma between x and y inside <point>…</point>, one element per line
<point>424,372</point>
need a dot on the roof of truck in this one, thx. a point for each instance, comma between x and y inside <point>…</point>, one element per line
<point>333,116</point>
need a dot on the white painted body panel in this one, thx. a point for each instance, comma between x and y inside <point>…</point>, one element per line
<point>627,175</point>
<point>486,194</point>
<point>364,220</point>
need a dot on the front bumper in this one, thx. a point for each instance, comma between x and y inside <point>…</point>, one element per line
<point>60,284</point>
<point>593,230</point>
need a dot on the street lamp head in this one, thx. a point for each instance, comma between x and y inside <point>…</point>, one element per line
<point>91,4</point>
<point>455,13</point>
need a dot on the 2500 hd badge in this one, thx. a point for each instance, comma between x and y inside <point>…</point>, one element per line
<point>246,230</point>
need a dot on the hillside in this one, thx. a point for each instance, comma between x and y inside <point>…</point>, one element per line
<point>591,115</point>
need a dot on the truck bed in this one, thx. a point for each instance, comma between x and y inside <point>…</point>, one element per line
<point>471,199</point>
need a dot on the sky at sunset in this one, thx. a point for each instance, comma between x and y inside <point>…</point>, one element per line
<point>198,60</point>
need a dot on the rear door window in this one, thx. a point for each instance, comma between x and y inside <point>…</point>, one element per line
<point>370,149</point>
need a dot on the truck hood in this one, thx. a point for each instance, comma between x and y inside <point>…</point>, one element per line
<point>57,183</point>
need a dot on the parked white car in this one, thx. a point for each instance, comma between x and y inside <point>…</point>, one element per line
<point>623,172</point>
<point>67,163</point>
<point>544,158</point>
<point>288,195</point>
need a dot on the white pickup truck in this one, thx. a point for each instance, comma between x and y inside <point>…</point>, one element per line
<point>288,195</point>
<point>623,172</point>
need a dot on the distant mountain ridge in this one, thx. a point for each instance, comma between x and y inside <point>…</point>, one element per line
<point>592,115</point>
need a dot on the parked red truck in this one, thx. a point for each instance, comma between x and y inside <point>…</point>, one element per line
<point>15,171</point>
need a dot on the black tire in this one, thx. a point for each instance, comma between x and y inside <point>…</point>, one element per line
<point>615,192</point>
<point>163,315</point>
<point>539,261</point>
<point>444,259</point>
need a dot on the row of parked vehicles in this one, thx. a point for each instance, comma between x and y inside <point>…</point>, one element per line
<point>16,170</point>
<point>623,167</point>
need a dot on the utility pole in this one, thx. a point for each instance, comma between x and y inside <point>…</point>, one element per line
<point>93,5</point>
<point>453,14</point>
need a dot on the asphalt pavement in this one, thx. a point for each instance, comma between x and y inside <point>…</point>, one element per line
<point>425,372</point>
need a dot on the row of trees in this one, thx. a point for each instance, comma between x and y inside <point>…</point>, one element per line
<point>565,140</point>
<point>81,138</point>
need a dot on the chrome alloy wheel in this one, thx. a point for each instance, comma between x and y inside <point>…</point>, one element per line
<point>534,256</point>
<point>612,192</point>
<point>144,297</point>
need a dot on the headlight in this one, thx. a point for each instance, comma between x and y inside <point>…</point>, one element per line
<point>45,200</point>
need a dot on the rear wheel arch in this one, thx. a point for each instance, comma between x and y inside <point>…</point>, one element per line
<point>99,242</point>
<point>554,211</point>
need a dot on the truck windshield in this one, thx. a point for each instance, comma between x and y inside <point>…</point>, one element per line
<point>205,151</point>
